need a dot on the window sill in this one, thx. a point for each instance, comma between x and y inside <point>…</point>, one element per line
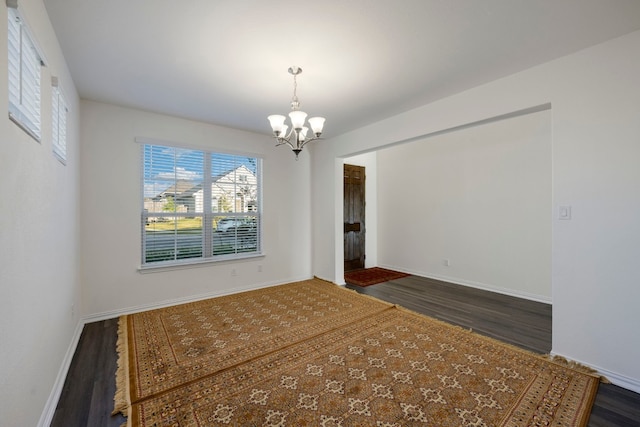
<point>61,158</point>
<point>187,264</point>
<point>24,127</point>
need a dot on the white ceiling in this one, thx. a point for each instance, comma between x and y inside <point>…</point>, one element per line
<point>225,62</point>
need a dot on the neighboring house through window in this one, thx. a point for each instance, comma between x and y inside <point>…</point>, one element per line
<point>24,64</point>
<point>196,207</point>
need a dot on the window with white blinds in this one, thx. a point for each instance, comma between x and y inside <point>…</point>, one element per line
<point>24,64</point>
<point>58,123</point>
<point>198,206</point>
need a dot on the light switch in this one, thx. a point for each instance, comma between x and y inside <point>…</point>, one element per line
<point>564,212</point>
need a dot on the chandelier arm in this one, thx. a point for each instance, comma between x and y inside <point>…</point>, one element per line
<point>306,141</point>
<point>283,141</point>
<point>292,133</point>
<point>296,139</point>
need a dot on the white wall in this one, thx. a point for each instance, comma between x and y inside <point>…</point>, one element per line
<point>480,198</point>
<point>39,279</point>
<point>595,150</point>
<point>110,213</point>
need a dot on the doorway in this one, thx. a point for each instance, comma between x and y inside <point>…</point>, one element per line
<point>354,217</point>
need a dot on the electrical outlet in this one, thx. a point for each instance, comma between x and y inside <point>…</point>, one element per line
<point>234,272</point>
<point>564,212</point>
<point>259,268</point>
<point>446,262</point>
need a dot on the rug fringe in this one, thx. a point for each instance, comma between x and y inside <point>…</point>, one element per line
<point>121,399</point>
<point>576,366</point>
<point>126,368</point>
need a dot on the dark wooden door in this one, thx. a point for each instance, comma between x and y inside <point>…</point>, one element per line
<point>354,231</point>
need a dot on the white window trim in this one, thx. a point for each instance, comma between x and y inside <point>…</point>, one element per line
<point>198,262</point>
<point>28,118</point>
<point>59,116</point>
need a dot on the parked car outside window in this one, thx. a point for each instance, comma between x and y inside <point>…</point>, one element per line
<point>229,224</point>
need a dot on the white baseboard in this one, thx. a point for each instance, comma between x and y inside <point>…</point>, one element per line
<point>50,407</point>
<point>336,282</point>
<point>623,381</point>
<point>183,300</point>
<point>52,402</point>
<point>477,285</point>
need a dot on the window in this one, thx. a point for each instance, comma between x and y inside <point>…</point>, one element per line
<point>58,122</point>
<point>196,208</point>
<point>24,76</point>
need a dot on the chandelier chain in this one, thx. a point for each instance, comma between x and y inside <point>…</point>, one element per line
<point>295,103</point>
<point>297,137</point>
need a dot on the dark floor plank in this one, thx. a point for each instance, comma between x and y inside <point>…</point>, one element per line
<point>87,395</point>
<point>521,322</point>
<point>517,321</point>
<point>615,406</point>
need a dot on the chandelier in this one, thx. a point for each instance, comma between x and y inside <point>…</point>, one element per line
<point>297,136</point>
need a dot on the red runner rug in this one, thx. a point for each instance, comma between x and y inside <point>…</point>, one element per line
<point>371,276</point>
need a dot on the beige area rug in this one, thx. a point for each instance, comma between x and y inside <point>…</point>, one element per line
<point>314,354</point>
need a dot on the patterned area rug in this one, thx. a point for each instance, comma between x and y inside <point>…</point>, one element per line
<point>371,276</point>
<point>314,354</point>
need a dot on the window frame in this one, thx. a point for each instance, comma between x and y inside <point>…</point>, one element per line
<point>59,112</point>
<point>24,96</point>
<point>208,212</point>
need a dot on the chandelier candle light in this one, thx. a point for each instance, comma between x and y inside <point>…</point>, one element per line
<point>297,137</point>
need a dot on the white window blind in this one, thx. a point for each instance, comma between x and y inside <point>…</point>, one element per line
<point>24,64</point>
<point>58,123</point>
<point>196,206</point>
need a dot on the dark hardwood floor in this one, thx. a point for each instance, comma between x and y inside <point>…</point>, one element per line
<point>87,395</point>
<point>521,322</point>
<point>524,323</point>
